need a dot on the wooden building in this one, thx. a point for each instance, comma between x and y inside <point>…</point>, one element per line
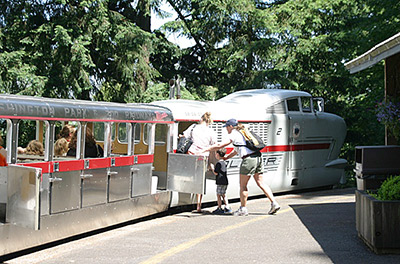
<point>388,50</point>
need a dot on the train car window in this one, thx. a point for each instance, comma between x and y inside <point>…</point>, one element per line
<point>119,144</point>
<point>146,131</point>
<point>98,131</point>
<point>122,133</point>
<point>3,133</point>
<point>137,131</point>
<point>3,141</point>
<point>30,141</point>
<point>293,104</point>
<point>92,148</point>
<point>306,104</point>
<point>63,133</point>
<point>161,132</point>
<point>141,146</point>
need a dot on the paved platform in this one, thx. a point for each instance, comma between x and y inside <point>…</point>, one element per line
<point>312,227</point>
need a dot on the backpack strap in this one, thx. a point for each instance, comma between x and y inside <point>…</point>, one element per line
<point>244,137</point>
<point>191,131</point>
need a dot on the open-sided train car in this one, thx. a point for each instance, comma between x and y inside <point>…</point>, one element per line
<point>45,197</point>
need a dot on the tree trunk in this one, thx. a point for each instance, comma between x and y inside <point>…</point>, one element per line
<point>144,22</point>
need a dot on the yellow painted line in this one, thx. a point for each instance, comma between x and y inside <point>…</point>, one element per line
<point>172,251</point>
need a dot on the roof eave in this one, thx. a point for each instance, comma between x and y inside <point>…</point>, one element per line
<point>380,52</point>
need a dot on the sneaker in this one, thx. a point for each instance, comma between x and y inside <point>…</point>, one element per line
<point>218,211</point>
<point>227,210</point>
<point>242,211</point>
<point>274,208</point>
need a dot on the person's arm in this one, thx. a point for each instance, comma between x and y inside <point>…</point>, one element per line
<point>232,154</point>
<point>218,145</point>
<point>215,168</point>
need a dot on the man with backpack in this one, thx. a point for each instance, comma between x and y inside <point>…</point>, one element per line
<point>248,148</point>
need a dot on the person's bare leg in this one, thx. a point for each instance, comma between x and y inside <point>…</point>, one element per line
<point>265,188</point>
<point>199,198</point>
<point>267,191</point>
<point>225,200</point>
<point>219,201</point>
<point>244,194</point>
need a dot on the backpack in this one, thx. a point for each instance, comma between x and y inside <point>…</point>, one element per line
<point>253,141</point>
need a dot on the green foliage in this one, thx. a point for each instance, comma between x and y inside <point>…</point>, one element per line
<point>76,49</point>
<point>160,91</point>
<point>299,44</point>
<point>105,50</point>
<point>156,92</point>
<point>27,132</point>
<point>389,190</point>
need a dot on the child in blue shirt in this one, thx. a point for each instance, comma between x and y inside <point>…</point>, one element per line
<point>222,182</point>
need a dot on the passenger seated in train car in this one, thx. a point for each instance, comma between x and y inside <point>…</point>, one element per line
<point>34,147</point>
<point>66,132</point>
<point>3,154</point>
<point>92,149</point>
<point>21,150</point>
<point>61,147</point>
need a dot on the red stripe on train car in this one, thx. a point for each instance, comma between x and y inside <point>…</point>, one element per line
<point>99,163</point>
<point>70,165</point>
<point>283,148</point>
<point>45,166</point>
<point>145,159</point>
<point>123,161</point>
<point>296,147</point>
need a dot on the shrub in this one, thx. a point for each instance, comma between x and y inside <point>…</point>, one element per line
<point>389,190</point>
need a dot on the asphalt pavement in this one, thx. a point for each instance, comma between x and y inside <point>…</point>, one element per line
<point>312,227</point>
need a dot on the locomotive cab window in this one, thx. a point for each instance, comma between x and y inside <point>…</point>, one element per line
<point>293,104</point>
<point>306,104</point>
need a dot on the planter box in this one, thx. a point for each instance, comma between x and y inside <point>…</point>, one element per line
<point>374,164</point>
<point>378,223</point>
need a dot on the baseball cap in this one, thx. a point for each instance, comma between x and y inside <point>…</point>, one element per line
<point>231,122</point>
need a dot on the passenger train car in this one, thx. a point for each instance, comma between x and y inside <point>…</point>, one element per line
<point>45,198</point>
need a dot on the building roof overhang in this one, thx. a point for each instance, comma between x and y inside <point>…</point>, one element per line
<point>383,50</point>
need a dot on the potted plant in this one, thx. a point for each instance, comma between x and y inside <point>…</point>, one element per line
<point>378,217</point>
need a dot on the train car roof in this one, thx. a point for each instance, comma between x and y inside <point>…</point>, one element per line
<point>21,106</point>
<point>264,96</point>
<point>248,105</point>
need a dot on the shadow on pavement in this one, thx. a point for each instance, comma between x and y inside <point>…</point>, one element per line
<point>333,226</point>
